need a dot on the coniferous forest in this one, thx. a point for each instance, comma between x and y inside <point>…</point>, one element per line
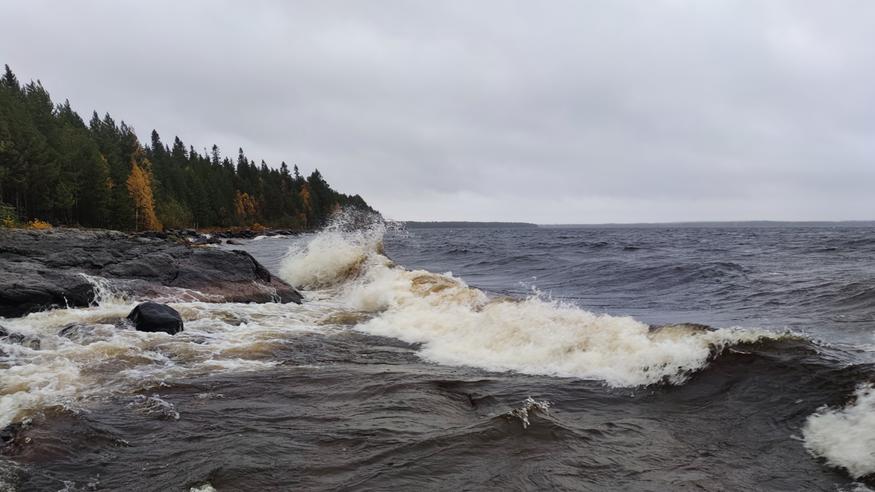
<point>56,168</point>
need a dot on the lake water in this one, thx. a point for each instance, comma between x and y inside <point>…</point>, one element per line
<point>641,358</point>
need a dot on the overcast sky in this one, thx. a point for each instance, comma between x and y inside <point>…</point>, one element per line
<point>550,112</point>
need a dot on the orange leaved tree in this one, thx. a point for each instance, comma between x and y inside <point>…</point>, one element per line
<point>140,188</point>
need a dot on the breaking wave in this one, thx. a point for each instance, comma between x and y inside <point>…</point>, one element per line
<point>463,326</point>
<point>331,256</point>
<point>845,437</point>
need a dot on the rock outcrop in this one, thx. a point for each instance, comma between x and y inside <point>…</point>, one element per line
<point>44,269</point>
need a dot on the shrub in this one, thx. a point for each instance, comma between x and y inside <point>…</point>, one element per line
<point>38,225</point>
<point>7,216</point>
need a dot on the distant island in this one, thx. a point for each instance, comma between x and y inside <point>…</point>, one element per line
<point>462,225</point>
<point>57,170</point>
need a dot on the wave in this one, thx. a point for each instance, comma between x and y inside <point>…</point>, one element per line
<point>331,256</point>
<point>459,325</point>
<point>530,406</point>
<point>845,437</point>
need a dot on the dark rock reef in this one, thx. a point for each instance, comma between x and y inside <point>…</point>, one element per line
<point>44,269</point>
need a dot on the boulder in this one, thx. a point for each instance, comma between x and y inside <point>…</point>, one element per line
<point>154,317</point>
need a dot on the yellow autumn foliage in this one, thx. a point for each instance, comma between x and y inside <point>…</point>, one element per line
<point>38,225</point>
<point>305,197</point>
<point>245,207</point>
<point>140,189</point>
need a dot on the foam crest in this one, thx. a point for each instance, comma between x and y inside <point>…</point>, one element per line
<point>35,385</point>
<point>332,256</point>
<point>462,326</point>
<point>530,406</point>
<point>845,437</point>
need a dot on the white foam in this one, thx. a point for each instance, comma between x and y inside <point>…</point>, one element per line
<point>330,257</point>
<point>456,325</point>
<point>104,292</point>
<point>529,407</point>
<point>106,359</point>
<point>459,325</point>
<point>203,488</point>
<point>845,437</point>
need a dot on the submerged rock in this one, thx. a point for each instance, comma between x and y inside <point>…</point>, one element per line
<point>75,330</point>
<point>11,438</point>
<point>24,340</point>
<point>154,317</point>
<point>44,269</point>
<point>19,339</point>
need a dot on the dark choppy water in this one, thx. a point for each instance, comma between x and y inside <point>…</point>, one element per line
<point>391,379</point>
<point>820,281</point>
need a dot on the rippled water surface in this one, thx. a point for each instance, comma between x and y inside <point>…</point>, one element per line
<point>498,359</point>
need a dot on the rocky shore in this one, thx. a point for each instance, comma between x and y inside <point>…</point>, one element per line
<point>72,267</point>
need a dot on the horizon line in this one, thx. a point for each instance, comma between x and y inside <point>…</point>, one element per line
<point>683,222</point>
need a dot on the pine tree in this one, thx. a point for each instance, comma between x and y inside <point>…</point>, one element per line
<point>56,168</point>
<point>9,80</point>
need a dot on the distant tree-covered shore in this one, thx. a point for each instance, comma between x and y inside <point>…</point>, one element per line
<point>56,168</point>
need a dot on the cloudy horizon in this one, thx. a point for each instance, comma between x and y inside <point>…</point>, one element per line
<point>559,113</point>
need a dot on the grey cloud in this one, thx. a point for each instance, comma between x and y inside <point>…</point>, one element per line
<point>491,110</point>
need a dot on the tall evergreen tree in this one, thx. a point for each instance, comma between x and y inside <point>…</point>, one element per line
<point>55,168</point>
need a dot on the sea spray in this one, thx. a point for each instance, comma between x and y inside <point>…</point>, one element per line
<point>845,437</point>
<point>529,407</point>
<point>463,326</point>
<point>331,256</point>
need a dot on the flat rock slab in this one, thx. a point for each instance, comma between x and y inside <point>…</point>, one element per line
<point>44,269</point>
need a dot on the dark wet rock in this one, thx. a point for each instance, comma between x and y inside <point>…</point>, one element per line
<point>44,269</point>
<point>75,330</point>
<point>203,240</point>
<point>32,343</point>
<point>24,340</point>
<point>154,317</point>
<point>233,242</point>
<point>12,438</point>
<point>27,287</point>
<point>9,433</point>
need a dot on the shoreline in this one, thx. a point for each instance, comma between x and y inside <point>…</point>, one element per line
<point>71,267</point>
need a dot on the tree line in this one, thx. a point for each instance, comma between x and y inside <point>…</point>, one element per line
<point>56,168</point>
